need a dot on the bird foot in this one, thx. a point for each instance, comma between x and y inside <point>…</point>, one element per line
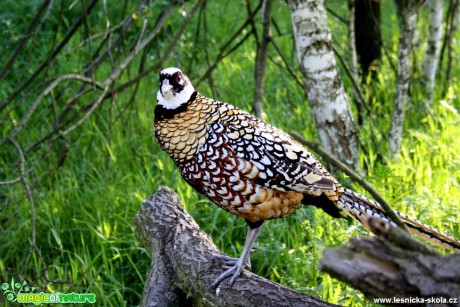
<point>233,266</point>
<point>228,262</point>
<point>232,270</point>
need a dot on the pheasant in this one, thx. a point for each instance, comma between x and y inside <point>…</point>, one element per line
<point>252,169</point>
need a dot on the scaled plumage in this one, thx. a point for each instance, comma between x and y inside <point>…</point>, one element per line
<point>250,168</point>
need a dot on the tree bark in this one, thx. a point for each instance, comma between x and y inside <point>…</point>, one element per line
<point>184,263</point>
<point>334,121</point>
<point>261,58</point>
<point>395,266</point>
<point>408,24</point>
<point>451,28</point>
<point>352,38</point>
<point>354,76</point>
<point>430,65</point>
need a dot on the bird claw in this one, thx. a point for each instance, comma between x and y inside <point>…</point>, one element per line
<point>233,267</point>
<point>233,270</point>
<point>227,261</point>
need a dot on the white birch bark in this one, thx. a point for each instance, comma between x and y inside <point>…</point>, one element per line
<point>408,24</point>
<point>334,121</point>
<point>352,39</point>
<point>430,64</point>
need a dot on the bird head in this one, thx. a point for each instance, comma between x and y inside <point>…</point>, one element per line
<point>175,88</point>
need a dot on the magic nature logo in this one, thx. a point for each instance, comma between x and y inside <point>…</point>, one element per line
<point>23,293</point>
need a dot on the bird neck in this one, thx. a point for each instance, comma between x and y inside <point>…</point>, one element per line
<point>164,113</point>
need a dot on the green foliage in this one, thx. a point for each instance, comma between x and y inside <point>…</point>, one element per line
<point>85,207</point>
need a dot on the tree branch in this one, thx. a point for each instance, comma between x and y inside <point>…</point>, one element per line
<point>51,56</point>
<point>39,99</point>
<point>28,191</point>
<point>24,39</point>
<point>222,54</point>
<point>360,100</point>
<point>394,266</point>
<point>184,262</point>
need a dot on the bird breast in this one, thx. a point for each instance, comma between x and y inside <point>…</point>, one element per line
<point>232,182</point>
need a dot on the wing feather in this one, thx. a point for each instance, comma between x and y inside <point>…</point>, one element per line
<point>284,164</point>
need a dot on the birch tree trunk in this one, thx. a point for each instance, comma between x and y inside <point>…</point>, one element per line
<point>352,38</point>
<point>430,65</point>
<point>328,101</point>
<point>408,24</point>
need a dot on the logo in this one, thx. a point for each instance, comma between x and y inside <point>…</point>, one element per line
<point>23,293</point>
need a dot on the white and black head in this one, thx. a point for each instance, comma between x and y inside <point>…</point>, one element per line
<point>175,89</point>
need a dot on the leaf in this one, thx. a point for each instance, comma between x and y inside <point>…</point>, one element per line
<point>5,286</point>
<point>12,285</point>
<point>10,297</point>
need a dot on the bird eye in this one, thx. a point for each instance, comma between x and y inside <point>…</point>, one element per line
<point>177,77</point>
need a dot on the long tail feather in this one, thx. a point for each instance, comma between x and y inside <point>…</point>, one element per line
<point>360,208</point>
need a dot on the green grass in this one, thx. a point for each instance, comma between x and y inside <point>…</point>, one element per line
<point>85,209</point>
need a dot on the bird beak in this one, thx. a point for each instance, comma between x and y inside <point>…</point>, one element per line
<point>165,87</point>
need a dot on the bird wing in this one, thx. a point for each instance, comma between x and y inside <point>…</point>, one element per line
<point>284,164</point>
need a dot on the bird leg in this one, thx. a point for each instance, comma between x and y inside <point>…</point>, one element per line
<point>228,261</point>
<point>235,266</point>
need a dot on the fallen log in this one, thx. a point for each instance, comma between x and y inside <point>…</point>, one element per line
<point>184,263</point>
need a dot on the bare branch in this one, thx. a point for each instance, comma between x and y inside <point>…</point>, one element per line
<point>361,101</point>
<point>28,191</point>
<point>160,22</point>
<point>24,39</point>
<point>222,54</point>
<point>51,56</point>
<point>87,114</point>
<point>286,64</point>
<point>126,25</point>
<point>336,15</point>
<point>37,101</point>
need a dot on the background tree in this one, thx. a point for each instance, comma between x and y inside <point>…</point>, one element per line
<point>323,85</point>
<point>408,25</point>
<point>261,57</point>
<point>368,34</point>
<point>453,12</point>
<point>430,64</point>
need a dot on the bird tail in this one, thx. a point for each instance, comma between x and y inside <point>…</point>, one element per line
<point>361,208</point>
